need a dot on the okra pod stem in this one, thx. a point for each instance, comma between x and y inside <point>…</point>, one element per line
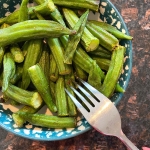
<point>114,71</point>
<point>19,95</point>
<point>40,82</point>
<point>49,121</point>
<point>118,34</point>
<point>75,39</point>
<point>30,29</point>
<point>106,39</point>
<point>61,100</point>
<point>89,42</point>
<point>9,70</point>
<point>34,51</point>
<point>23,11</point>
<point>58,53</point>
<point>16,53</point>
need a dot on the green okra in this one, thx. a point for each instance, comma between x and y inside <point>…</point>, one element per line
<point>89,41</point>
<point>114,31</point>
<point>34,51</point>
<point>53,71</point>
<point>61,100</point>
<point>101,52</point>
<point>81,58</point>
<point>75,39</point>
<point>72,110</point>
<point>103,63</point>
<point>45,8</point>
<point>49,121</point>
<point>2,49</point>
<point>32,99</point>
<point>45,60</point>
<point>17,53</point>
<point>94,77</point>
<point>23,11</point>
<point>18,74</point>
<point>58,53</point>
<point>19,121</point>
<point>106,39</point>
<point>1,79</point>
<point>79,72</point>
<point>40,82</point>
<point>9,69</point>
<point>52,90</point>
<point>118,88</point>
<point>114,71</point>
<point>30,29</point>
<point>80,4</point>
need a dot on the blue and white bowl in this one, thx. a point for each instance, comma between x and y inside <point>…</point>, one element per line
<point>108,13</point>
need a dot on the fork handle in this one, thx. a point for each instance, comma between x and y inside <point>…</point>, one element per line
<point>127,142</point>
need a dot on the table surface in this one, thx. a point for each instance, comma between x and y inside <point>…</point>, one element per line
<point>134,108</point>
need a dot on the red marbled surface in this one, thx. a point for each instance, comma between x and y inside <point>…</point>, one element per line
<point>135,105</point>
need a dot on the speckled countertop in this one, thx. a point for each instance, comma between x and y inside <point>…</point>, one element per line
<point>135,105</point>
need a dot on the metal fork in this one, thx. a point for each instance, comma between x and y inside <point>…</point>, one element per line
<point>102,115</point>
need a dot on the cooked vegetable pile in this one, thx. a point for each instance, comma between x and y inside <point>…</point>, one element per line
<point>42,50</point>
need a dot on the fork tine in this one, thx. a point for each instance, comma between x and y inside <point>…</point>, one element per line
<point>93,100</point>
<point>82,98</point>
<point>79,106</point>
<point>93,90</point>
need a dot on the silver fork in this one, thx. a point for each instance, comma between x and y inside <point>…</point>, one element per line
<point>102,115</point>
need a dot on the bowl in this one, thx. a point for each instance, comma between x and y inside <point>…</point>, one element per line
<point>108,13</point>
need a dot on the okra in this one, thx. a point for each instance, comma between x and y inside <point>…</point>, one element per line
<point>89,42</point>
<point>45,61</point>
<point>81,58</point>
<point>19,121</point>
<point>79,72</point>
<point>80,4</point>
<point>18,74</point>
<point>101,52</point>
<point>34,51</point>
<point>23,11</point>
<point>49,121</point>
<point>32,99</point>
<point>94,77</point>
<point>114,71</point>
<point>106,39</point>
<point>61,100</point>
<point>75,39</point>
<point>118,88</point>
<point>58,53</point>
<point>72,110</point>
<point>32,29</point>
<point>9,69</point>
<point>44,9</point>
<point>103,63</point>
<point>17,53</point>
<point>2,49</point>
<point>53,71</point>
<point>40,82</point>
<point>52,90</point>
<point>114,31</point>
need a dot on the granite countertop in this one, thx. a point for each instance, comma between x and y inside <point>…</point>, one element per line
<point>134,107</point>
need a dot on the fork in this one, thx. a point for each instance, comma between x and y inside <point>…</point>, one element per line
<point>102,115</point>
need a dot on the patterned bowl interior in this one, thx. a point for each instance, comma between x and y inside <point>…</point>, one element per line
<point>108,13</point>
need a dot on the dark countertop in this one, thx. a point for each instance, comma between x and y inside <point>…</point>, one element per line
<point>134,108</point>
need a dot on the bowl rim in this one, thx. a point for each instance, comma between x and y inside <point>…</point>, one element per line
<point>119,95</point>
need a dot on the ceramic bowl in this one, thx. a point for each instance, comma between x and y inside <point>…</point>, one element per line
<point>108,13</point>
